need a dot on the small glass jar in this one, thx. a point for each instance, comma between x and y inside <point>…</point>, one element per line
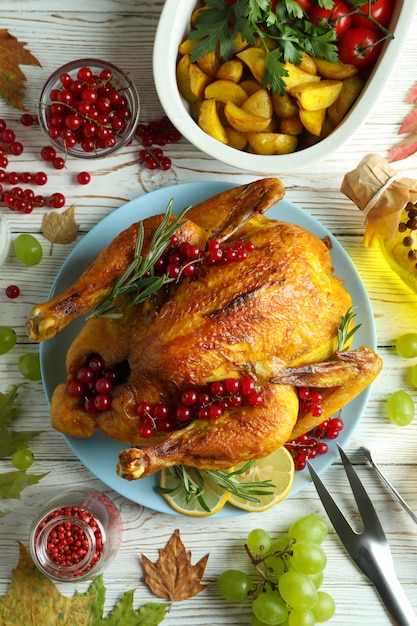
<point>75,535</point>
<point>92,116</point>
<point>5,238</point>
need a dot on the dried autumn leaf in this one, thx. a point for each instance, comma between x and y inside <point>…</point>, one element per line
<point>12,79</point>
<point>173,577</point>
<point>60,227</point>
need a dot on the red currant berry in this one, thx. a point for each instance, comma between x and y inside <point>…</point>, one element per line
<point>12,291</point>
<point>83,178</point>
<point>57,200</point>
<point>75,388</point>
<point>40,178</point>
<point>189,397</point>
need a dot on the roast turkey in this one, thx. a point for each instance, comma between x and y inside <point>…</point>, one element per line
<point>273,317</point>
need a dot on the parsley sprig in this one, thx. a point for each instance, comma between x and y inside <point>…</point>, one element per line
<point>220,23</point>
<point>139,279</point>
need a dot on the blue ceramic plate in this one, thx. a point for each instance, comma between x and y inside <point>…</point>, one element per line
<point>99,453</point>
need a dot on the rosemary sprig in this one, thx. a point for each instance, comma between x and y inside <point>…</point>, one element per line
<point>194,485</point>
<point>139,278</point>
<point>343,333</point>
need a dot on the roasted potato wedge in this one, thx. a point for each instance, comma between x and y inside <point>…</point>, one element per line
<point>285,105</point>
<point>198,80</point>
<point>272,143</point>
<point>334,70</point>
<point>351,90</point>
<point>236,139</point>
<point>209,121</point>
<point>313,120</point>
<point>318,95</point>
<point>291,125</point>
<point>254,59</point>
<point>297,76</point>
<point>259,103</point>
<point>209,63</point>
<point>224,90</point>
<point>183,79</point>
<point>231,70</point>
<point>244,122</point>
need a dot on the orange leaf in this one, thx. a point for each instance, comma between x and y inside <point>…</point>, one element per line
<point>13,54</point>
<point>173,577</point>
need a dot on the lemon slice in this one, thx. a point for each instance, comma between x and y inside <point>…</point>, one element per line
<point>214,495</point>
<point>278,467</point>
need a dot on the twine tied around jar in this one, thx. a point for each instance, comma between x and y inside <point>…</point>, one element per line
<point>381,193</point>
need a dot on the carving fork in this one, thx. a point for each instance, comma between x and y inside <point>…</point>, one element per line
<point>369,549</point>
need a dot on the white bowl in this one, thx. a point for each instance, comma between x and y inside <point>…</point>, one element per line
<point>172,29</point>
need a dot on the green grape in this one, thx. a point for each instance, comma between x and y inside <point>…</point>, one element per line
<point>29,366</point>
<point>234,585</point>
<point>257,622</point>
<point>309,528</point>
<point>400,408</point>
<point>276,567</point>
<point>406,345</point>
<point>28,249</point>
<point>22,458</point>
<point>269,608</point>
<point>7,339</point>
<point>301,618</point>
<point>308,557</point>
<point>259,541</point>
<point>297,590</point>
<point>414,375</point>
<point>324,608</point>
<point>317,579</point>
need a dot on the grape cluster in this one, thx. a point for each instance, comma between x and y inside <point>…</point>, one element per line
<point>289,574</point>
<point>152,136</point>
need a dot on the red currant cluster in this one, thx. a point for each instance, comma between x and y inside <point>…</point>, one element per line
<point>156,133</point>
<point>208,402</point>
<point>88,110</point>
<point>183,259</point>
<point>67,542</point>
<point>310,400</point>
<point>94,384</point>
<point>309,445</point>
<point>16,198</point>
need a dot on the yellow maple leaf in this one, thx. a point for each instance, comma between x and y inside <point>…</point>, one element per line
<point>12,80</point>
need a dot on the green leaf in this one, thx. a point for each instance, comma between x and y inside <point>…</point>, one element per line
<point>12,441</point>
<point>123,614</point>
<point>7,410</point>
<point>12,483</point>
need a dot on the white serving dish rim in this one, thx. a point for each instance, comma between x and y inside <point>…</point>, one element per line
<point>172,28</point>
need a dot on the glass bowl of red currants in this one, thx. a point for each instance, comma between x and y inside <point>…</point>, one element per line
<point>89,108</point>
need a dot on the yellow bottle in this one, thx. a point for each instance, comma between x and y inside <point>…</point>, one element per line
<point>401,251</point>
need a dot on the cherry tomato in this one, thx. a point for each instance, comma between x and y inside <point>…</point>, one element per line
<point>359,47</point>
<point>307,5</point>
<point>379,9</point>
<point>337,17</point>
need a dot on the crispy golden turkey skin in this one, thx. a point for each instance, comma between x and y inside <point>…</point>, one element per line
<point>275,315</point>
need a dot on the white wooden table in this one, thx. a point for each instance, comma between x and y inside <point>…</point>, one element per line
<point>123,32</point>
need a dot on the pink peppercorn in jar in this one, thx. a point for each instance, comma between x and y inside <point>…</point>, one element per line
<point>75,535</point>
